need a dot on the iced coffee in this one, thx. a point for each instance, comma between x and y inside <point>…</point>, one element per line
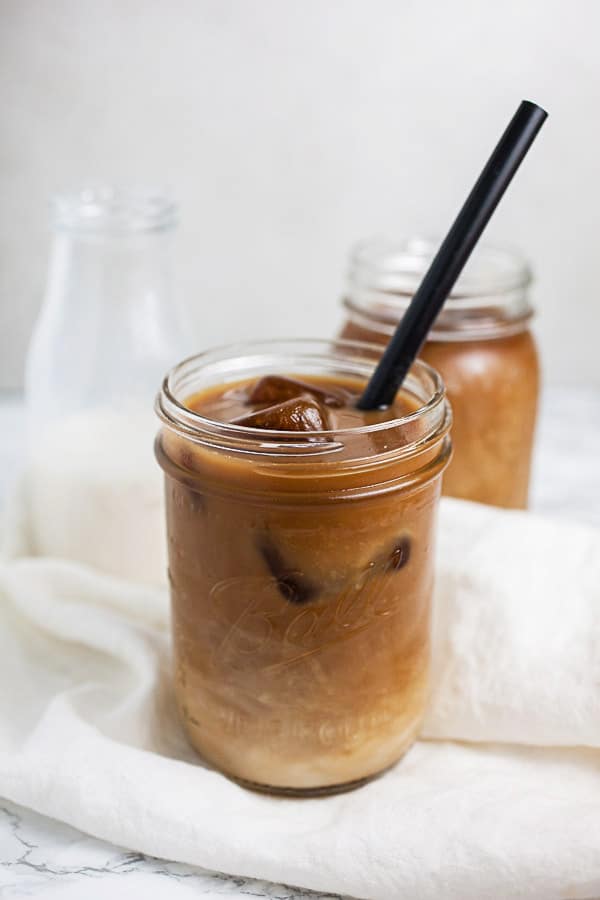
<point>480,344</point>
<point>300,534</point>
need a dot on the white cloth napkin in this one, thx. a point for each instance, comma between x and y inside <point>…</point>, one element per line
<point>502,800</point>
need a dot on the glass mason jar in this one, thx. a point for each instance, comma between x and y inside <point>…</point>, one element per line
<point>108,328</point>
<point>480,344</point>
<point>289,691</point>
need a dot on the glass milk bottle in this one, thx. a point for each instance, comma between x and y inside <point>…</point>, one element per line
<point>107,331</point>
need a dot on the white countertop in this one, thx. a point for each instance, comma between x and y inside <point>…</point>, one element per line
<point>41,857</point>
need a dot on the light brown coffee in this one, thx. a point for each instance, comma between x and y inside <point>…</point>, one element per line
<point>493,387</point>
<point>301,579</point>
<point>480,344</point>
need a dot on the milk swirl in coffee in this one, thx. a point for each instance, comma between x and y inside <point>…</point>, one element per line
<point>300,561</point>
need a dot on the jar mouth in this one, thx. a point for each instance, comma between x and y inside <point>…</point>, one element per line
<point>105,209</point>
<point>489,297</point>
<point>234,362</point>
<point>398,266</point>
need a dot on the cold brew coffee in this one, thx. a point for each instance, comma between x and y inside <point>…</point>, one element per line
<point>481,345</point>
<point>300,536</point>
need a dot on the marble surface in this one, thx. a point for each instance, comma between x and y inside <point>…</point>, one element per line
<point>40,857</point>
<point>43,858</point>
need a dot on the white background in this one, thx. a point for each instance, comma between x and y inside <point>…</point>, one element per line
<point>288,129</point>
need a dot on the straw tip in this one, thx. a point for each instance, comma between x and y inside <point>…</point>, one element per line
<point>530,104</point>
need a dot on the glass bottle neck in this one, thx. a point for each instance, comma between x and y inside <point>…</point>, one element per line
<point>126,270</point>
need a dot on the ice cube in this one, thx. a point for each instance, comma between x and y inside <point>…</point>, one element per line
<point>277,388</point>
<point>293,584</point>
<point>399,556</point>
<point>299,414</point>
<point>388,561</point>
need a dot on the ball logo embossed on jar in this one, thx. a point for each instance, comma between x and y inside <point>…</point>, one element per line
<point>283,639</point>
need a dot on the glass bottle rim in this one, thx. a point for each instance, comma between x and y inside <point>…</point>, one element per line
<point>490,298</point>
<point>255,358</point>
<point>114,209</point>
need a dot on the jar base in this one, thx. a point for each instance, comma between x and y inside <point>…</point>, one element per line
<point>327,790</point>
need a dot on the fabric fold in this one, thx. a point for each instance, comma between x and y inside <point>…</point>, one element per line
<point>516,653</point>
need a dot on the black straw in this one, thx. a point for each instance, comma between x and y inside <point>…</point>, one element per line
<point>450,259</point>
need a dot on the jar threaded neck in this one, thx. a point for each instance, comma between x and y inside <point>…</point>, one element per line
<point>490,299</point>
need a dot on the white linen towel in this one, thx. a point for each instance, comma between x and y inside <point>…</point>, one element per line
<point>500,800</point>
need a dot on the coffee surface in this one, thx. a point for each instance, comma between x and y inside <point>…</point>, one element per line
<point>296,403</point>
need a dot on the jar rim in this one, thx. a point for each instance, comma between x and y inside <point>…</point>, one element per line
<point>493,269</point>
<point>105,209</point>
<point>173,412</point>
<point>489,300</point>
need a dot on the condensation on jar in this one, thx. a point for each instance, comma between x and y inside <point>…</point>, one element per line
<point>480,343</point>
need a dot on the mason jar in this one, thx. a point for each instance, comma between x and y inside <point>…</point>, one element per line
<point>482,346</point>
<point>301,572</point>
